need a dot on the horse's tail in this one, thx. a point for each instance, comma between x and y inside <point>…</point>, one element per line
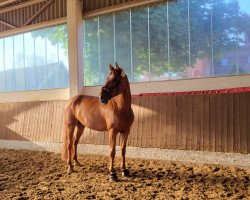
<point>64,155</point>
<point>67,136</point>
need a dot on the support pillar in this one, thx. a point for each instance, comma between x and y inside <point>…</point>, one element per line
<point>75,46</point>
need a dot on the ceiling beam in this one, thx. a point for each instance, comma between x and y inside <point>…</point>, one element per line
<point>20,5</point>
<point>7,2</point>
<point>7,24</point>
<point>33,27</point>
<point>119,7</point>
<point>39,12</point>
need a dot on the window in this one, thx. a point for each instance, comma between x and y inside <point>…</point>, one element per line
<point>175,40</point>
<point>224,62</point>
<point>34,60</point>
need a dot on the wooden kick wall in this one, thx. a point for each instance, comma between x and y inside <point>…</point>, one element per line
<point>217,122</point>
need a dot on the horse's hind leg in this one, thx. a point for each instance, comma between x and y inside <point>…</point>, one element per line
<point>70,132</point>
<point>78,135</point>
<point>124,137</point>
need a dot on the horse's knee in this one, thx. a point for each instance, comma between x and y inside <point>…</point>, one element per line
<point>112,153</point>
<point>76,142</point>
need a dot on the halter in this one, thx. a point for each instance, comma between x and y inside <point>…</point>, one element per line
<point>109,90</point>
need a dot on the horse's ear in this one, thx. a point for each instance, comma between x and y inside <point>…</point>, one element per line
<point>117,66</point>
<point>111,67</point>
<point>123,74</point>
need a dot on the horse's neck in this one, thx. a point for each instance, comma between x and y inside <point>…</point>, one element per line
<point>125,97</point>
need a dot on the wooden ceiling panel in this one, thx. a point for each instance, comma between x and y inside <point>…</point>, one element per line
<point>92,8</point>
<point>22,13</point>
<point>7,3</point>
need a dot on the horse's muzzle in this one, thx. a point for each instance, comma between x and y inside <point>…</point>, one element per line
<point>103,99</point>
<point>105,96</point>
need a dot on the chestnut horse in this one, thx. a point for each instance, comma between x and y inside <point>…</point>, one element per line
<point>112,112</point>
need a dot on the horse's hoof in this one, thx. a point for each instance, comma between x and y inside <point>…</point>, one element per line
<point>125,173</point>
<point>70,170</point>
<point>113,177</point>
<point>77,164</point>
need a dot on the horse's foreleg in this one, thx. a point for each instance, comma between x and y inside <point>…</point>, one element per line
<point>124,137</point>
<point>112,144</point>
<point>79,133</point>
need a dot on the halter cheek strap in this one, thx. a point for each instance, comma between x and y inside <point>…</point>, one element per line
<point>109,90</point>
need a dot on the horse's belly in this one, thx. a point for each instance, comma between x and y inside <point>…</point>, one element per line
<point>97,128</point>
<point>95,125</point>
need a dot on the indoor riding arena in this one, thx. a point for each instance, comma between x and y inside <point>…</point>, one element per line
<point>125,99</point>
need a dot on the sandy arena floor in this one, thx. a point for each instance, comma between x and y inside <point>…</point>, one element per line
<point>42,175</point>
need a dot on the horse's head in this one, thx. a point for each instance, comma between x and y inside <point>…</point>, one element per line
<point>112,86</point>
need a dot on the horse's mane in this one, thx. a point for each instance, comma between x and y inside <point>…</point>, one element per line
<point>127,82</point>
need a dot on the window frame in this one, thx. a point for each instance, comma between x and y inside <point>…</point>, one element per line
<point>34,95</point>
<point>183,85</point>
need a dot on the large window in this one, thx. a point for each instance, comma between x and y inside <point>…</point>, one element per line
<point>34,60</point>
<point>175,40</point>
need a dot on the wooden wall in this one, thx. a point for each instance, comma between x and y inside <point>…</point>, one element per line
<point>217,122</point>
<point>34,121</point>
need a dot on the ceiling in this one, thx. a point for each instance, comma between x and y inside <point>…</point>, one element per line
<point>8,3</point>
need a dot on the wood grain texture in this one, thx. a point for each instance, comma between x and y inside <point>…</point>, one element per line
<point>32,14</point>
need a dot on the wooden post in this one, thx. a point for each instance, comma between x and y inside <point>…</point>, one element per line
<point>75,46</point>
